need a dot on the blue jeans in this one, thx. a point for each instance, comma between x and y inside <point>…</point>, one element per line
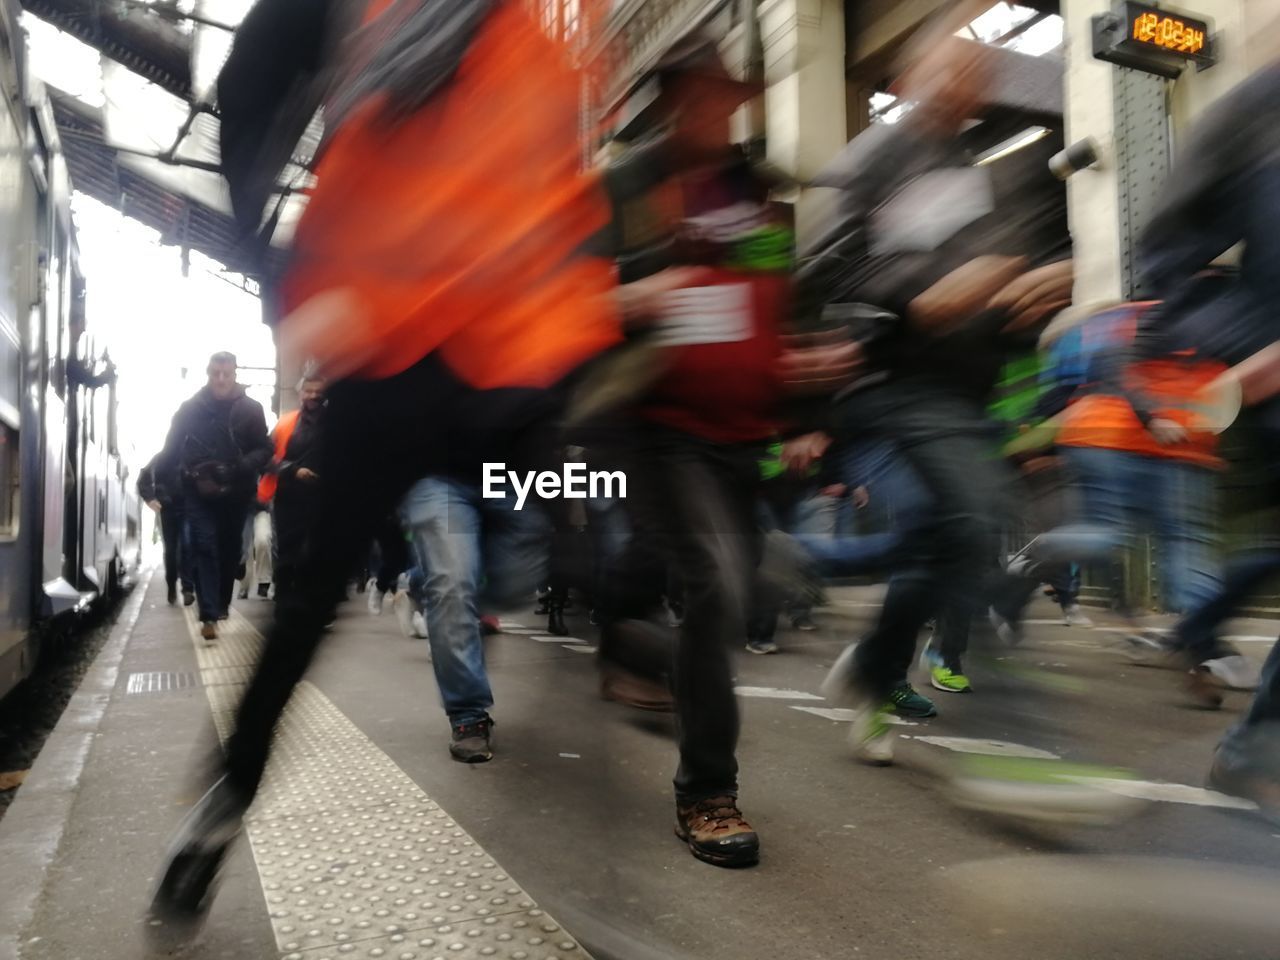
<point>1255,740</point>
<point>1118,491</point>
<point>474,553</point>
<point>896,492</point>
<point>216,529</point>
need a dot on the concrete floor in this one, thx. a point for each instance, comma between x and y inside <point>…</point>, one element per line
<point>576,807</point>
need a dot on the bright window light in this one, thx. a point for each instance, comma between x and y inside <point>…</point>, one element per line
<point>63,62</point>
<point>1012,145</point>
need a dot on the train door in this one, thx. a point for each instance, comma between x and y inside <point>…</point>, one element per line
<point>17,217</point>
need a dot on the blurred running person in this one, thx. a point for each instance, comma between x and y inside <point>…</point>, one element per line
<point>955,259</point>
<point>445,355</point>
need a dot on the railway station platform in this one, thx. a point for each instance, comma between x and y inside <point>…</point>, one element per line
<point>369,841</point>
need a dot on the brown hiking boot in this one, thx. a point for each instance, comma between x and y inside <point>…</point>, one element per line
<point>623,686</point>
<point>209,630</point>
<point>717,833</point>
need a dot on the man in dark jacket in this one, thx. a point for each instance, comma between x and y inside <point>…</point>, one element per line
<point>217,445</point>
<point>949,259</point>
<point>296,482</point>
<point>162,492</point>
<point>1225,192</point>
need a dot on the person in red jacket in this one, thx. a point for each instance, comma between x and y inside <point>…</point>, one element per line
<point>696,433</point>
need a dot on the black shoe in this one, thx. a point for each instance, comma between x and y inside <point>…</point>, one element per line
<point>196,854</point>
<point>263,590</point>
<point>804,622</point>
<point>172,595</point>
<point>471,741</point>
<point>555,621</point>
<point>717,833</point>
<point>543,607</point>
<point>188,598</point>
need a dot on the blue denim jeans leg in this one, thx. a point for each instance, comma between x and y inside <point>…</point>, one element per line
<point>474,552</point>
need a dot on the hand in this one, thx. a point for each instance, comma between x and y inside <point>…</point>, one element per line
<point>154,505</point>
<point>861,496</point>
<point>1166,431</point>
<point>1036,295</point>
<point>1038,465</point>
<point>819,362</point>
<point>800,453</point>
<point>1258,376</point>
<point>954,299</point>
<point>834,490</point>
<point>307,475</point>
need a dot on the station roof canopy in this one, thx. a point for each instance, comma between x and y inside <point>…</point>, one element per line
<point>132,85</point>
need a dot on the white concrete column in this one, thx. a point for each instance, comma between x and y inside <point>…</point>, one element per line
<point>1242,37</point>
<point>804,53</point>
<point>1092,195</point>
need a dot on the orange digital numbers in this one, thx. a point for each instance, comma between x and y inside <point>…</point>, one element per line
<point>1168,33</point>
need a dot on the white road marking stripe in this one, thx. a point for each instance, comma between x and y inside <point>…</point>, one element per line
<point>990,748</point>
<point>773,693</point>
<point>352,854</point>
<point>1167,792</point>
<point>578,649</point>
<point>844,715</point>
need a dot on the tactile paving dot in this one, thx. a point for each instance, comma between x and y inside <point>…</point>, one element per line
<point>355,860</point>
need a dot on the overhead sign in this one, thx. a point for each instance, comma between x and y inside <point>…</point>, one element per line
<point>1153,39</point>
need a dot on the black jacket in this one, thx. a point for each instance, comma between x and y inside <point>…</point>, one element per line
<point>911,209</point>
<point>230,432</point>
<point>163,487</point>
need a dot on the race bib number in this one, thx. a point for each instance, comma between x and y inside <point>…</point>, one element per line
<point>719,314</point>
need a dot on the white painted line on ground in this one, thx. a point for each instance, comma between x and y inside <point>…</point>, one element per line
<point>773,693</point>
<point>1167,792</point>
<point>548,638</point>
<point>1249,639</point>
<point>845,715</point>
<point>990,748</point>
<point>580,648</point>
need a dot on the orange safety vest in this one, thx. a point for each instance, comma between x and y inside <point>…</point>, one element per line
<point>281,435</point>
<point>1173,384</point>
<point>459,230</point>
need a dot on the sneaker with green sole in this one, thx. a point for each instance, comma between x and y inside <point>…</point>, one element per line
<point>906,702</point>
<point>948,680</point>
<point>871,738</point>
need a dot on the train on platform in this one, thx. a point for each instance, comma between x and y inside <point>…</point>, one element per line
<point>69,511</point>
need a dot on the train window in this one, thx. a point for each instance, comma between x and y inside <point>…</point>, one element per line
<point>9,480</point>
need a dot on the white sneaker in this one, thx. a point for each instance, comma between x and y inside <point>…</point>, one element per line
<point>402,608</point>
<point>1008,631</point>
<point>375,597</point>
<point>1073,616</point>
<point>419,625</point>
<point>838,686</point>
<point>1234,672</point>
<point>871,739</point>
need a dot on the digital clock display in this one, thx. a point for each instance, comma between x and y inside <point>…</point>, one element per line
<point>1164,30</point>
<point>1143,36</point>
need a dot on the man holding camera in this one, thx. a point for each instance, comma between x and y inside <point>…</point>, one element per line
<point>217,445</point>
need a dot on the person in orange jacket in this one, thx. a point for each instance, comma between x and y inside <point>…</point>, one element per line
<point>291,485</point>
